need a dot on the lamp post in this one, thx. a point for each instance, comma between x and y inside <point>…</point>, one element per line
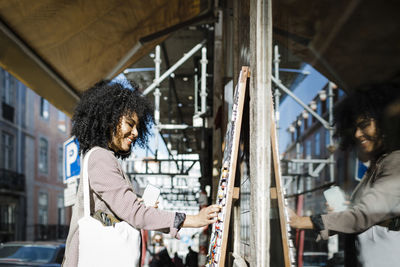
<point>322,95</point>
<point>305,114</point>
<point>313,105</point>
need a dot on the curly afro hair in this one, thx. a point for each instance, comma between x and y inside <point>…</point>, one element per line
<point>100,109</point>
<point>368,102</point>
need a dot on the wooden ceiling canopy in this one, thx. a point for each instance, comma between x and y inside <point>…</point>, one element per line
<point>59,48</point>
<point>352,42</point>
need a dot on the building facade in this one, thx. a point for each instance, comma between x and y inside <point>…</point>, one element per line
<point>31,185</point>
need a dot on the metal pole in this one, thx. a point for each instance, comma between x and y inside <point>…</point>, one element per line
<point>298,164</point>
<point>172,126</point>
<point>196,91</point>
<point>277,93</point>
<point>331,131</point>
<point>203,92</point>
<point>310,165</point>
<point>174,67</point>
<point>157,92</point>
<point>333,243</point>
<point>306,107</point>
<point>157,95</point>
<point>309,160</point>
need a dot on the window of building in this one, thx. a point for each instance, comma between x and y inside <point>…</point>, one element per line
<point>323,106</point>
<point>7,216</point>
<point>60,163</point>
<point>317,144</point>
<point>2,78</point>
<point>44,108</point>
<point>319,108</point>
<point>303,125</point>
<point>7,144</point>
<point>43,155</point>
<point>62,121</point>
<point>43,208</point>
<point>310,120</point>
<point>327,139</point>
<point>308,148</point>
<point>22,108</point>
<point>305,122</point>
<point>9,86</point>
<point>61,209</point>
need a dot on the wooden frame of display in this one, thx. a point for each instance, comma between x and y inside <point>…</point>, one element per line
<point>278,193</point>
<point>219,237</point>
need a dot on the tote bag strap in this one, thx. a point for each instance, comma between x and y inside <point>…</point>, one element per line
<point>86,198</point>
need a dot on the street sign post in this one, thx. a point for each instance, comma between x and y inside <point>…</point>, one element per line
<point>70,193</point>
<point>72,160</point>
<point>72,169</point>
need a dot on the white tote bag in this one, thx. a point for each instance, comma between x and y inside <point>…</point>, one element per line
<point>107,246</point>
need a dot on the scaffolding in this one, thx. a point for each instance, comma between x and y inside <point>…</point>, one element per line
<point>298,162</point>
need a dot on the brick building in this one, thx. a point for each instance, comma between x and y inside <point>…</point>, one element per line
<point>31,188</point>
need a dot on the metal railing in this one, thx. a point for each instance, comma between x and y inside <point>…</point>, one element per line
<point>12,180</point>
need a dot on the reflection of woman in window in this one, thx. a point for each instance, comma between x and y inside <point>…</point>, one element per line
<point>372,218</point>
<point>109,120</point>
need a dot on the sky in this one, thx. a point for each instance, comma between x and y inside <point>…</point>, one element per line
<point>290,109</point>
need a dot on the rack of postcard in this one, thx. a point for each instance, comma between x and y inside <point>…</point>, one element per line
<point>219,236</point>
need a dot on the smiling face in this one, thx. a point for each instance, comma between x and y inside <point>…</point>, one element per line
<point>367,136</point>
<point>126,134</point>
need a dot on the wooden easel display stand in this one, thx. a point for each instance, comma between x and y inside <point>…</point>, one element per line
<point>226,191</point>
<point>277,193</point>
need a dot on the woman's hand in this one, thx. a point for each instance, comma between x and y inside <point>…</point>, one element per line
<point>205,217</point>
<point>293,218</point>
<point>299,222</point>
<point>141,201</point>
<point>329,209</point>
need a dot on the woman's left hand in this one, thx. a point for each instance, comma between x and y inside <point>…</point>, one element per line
<point>299,222</point>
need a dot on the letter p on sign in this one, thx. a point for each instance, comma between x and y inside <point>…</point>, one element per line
<point>71,159</point>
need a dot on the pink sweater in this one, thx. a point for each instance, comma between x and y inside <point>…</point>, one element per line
<point>112,192</point>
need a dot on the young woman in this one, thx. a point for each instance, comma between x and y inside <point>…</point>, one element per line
<point>112,119</point>
<point>375,202</point>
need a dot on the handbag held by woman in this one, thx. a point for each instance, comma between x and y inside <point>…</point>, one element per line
<point>99,245</point>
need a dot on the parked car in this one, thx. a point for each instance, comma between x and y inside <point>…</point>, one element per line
<point>315,259</point>
<point>44,254</point>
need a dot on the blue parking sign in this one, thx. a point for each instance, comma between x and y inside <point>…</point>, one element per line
<point>72,160</point>
<point>361,169</point>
